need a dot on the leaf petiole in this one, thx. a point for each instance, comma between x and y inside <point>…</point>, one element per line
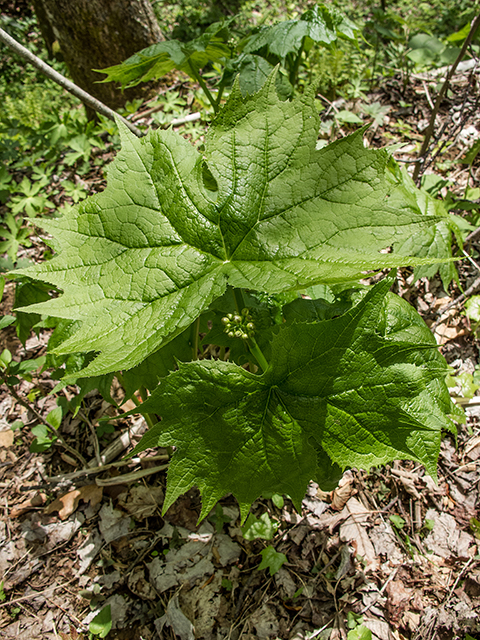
<point>206,90</point>
<point>257,353</point>
<point>194,338</point>
<point>294,71</point>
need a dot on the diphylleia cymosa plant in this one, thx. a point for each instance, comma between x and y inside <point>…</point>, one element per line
<point>208,258</point>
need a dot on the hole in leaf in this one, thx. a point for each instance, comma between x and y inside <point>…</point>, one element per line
<point>209,181</point>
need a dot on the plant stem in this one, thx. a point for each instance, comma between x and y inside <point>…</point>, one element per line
<point>219,96</point>
<point>441,94</point>
<point>206,90</point>
<point>257,353</point>
<point>239,301</point>
<point>144,396</point>
<point>194,338</point>
<point>38,416</point>
<point>294,71</point>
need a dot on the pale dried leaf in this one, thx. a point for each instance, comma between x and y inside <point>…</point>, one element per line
<point>141,502</point>
<point>114,524</point>
<point>177,620</point>
<point>342,494</point>
<point>139,586</point>
<point>446,539</point>
<point>265,622</point>
<point>6,438</point>
<point>202,605</point>
<point>353,530</point>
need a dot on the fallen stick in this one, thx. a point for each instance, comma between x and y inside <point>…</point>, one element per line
<point>85,473</point>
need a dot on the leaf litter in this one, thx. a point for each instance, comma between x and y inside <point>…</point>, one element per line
<point>344,554</point>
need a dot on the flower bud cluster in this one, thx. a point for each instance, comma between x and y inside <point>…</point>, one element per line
<point>239,326</point>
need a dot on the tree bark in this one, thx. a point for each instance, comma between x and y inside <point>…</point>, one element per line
<point>94,34</point>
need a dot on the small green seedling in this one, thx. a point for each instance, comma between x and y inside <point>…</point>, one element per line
<point>397,521</point>
<point>101,625</point>
<point>263,527</point>
<point>272,560</point>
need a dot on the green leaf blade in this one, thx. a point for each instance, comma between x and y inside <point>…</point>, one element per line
<point>351,388</point>
<point>140,261</point>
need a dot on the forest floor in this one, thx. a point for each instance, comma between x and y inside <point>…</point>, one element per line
<point>390,549</point>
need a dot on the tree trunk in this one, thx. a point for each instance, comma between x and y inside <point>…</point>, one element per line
<point>94,34</point>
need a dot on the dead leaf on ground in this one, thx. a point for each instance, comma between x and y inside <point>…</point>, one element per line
<point>446,539</point>
<point>354,531</point>
<point>139,586</point>
<point>6,438</point>
<point>472,448</point>
<point>398,600</point>
<point>407,478</point>
<point>141,502</point>
<point>342,494</point>
<point>177,620</point>
<point>37,500</point>
<point>444,334</point>
<point>68,503</point>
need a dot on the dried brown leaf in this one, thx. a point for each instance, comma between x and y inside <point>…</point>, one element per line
<point>68,503</point>
<point>353,530</point>
<point>6,438</point>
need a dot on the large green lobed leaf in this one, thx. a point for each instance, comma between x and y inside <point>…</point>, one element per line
<point>358,390</point>
<point>158,59</point>
<point>263,209</point>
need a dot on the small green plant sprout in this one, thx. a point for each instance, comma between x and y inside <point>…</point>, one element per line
<point>397,521</point>
<point>219,519</point>
<point>360,632</point>
<point>276,498</point>
<point>375,111</point>
<point>469,384</point>
<point>74,191</point>
<point>227,584</point>
<point>475,527</point>
<point>428,524</point>
<point>45,434</point>
<point>12,372</point>
<point>272,560</point>
<point>31,200</point>
<point>15,235</point>
<point>101,625</point>
<point>263,527</point>
<point>179,240</point>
